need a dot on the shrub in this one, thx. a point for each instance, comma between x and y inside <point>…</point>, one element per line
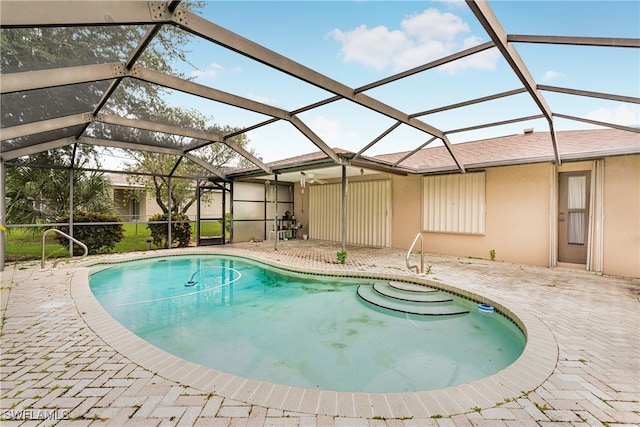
<point>180,230</point>
<point>98,237</point>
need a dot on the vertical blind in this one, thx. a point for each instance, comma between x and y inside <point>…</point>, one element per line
<point>454,203</point>
<point>368,212</point>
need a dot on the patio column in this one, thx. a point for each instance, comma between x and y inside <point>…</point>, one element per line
<point>344,208</point>
<point>275,210</point>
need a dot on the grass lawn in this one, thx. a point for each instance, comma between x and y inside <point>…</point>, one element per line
<point>25,244</point>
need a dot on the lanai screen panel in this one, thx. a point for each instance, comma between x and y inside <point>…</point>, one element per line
<point>248,211</point>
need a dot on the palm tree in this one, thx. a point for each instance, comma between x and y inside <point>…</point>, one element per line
<point>38,195</point>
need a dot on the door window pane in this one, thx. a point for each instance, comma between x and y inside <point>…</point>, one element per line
<point>577,195</point>
<point>577,192</point>
<point>576,228</point>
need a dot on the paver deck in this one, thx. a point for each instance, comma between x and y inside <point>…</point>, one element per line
<point>63,359</point>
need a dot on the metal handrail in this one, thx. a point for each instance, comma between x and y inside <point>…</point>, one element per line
<point>78,242</point>
<point>411,267</point>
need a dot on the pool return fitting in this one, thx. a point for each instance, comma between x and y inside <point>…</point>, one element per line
<point>485,308</point>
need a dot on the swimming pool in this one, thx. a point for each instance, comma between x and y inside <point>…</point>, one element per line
<point>256,321</point>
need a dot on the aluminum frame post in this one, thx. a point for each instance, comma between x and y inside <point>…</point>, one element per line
<point>344,208</point>
<point>71,211</point>
<point>3,214</point>
<point>275,213</point>
<point>170,208</point>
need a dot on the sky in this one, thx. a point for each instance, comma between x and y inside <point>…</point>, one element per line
<point>359,42</point>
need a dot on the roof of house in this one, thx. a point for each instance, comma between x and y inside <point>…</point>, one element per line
<point>528,147</point>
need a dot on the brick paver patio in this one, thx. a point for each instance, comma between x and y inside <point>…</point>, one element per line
<point>61,365</point>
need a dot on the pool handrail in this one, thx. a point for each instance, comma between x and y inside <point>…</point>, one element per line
<point>76,241</point>
<point>419,270</point>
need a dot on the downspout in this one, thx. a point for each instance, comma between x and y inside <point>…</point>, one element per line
<point>344,207</point>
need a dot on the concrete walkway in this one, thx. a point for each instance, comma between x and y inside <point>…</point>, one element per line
<point>61,365</point>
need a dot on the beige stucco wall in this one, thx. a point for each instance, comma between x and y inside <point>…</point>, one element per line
<point>519,209</point>
<point>621,227</point>
<point>406,210</point>
<point>517,217</point>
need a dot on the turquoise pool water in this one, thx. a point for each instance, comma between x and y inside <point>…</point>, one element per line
<point>256,321</point>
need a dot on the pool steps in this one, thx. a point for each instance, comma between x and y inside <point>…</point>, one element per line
<point>409,298</point>
<point>427,296</point>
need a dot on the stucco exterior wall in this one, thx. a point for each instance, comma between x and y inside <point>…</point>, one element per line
<point>406,209</point>
<point>621,227</point>
<point>517,219</point>
<point>519,209</point>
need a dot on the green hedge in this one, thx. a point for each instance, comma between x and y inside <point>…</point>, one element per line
<point>180,230</point>
<point>98,238</point>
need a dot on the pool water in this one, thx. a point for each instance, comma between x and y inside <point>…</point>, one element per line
<point>252,320</point>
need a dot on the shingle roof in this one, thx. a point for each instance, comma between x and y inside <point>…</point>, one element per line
<point>523,148</point>
<point>533,147</point>
<point>305,158</point>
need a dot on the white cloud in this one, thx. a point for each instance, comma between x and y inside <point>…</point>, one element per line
<point>621,115</point>
<point>212,71</point>
<point>329,130</point>
<point>433,25</point>
<point>552,75</point>
<point>373,47</point>
<point>485,60</point>
<point>261,99</point>
<point>420,54</point>
<point>422,38</point>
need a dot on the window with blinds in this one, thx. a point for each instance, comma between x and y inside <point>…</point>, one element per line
<point>454,203</point>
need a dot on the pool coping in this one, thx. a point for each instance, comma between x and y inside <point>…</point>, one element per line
<point>536,363</point>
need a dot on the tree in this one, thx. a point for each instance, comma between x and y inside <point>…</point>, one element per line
<point>31,49</point>
<point>183,194</point>
<point>40,194</point>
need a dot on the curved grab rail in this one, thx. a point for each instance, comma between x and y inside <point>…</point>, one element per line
<point>78,242</point>
<point>419,270</point>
